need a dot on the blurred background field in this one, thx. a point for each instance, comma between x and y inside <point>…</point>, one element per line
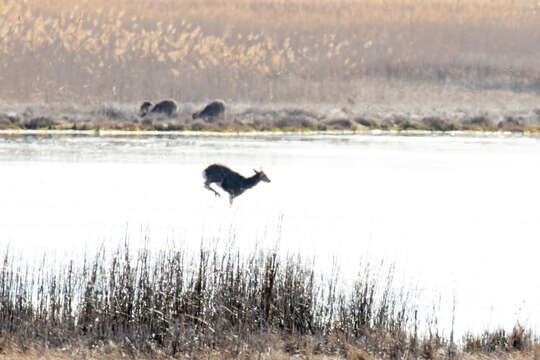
<point>482,53</point>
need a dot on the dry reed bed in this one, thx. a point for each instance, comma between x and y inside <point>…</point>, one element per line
<point>220,303</point>
<point>262,50</point>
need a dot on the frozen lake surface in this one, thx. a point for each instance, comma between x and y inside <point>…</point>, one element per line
<point>458,214</point>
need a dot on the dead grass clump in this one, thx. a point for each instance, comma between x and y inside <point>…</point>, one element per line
<point>340,124</point>
<point>9,122</point>
<point>200,125</point>
<point>438,124</point>
<point>149,123</point>
<point>41,122</point>
<point>385,124</point>
<point>518,340</point>
<point>410,125</point>
<point>358,354</point>
<point>365,122</point>
<point>82,126</point>
<point>291,119</point>
<point>175,126</point>
<point>236,125</point>
<point>161,126</point>
<point>294,123</point>
<point>511,123</point>
<point>403,123</point>
<point>123,125</point>
<point>479,122</point>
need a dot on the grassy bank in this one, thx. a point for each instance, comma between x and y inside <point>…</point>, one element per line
<point>270,117</point>
<point>222,304</point>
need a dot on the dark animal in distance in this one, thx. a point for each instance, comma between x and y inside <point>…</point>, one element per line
<point>230,181</point>
<point>145,107</point>
<point>214,109</point>
<point>168,107</point>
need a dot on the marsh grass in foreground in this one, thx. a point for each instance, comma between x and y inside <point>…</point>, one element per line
<point>218,304</point>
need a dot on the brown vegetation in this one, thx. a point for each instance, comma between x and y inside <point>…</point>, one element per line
<point>264,50</point>
<point>220,304</point>
<point>264,118</point>
<point>398,65</point>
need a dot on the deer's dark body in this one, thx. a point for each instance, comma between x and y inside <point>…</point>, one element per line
<point>168,107</point>
<point>211,111</point>
<point>231,181</point>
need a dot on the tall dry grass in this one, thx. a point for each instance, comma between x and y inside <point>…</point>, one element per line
<point>219,300</point>
<point>175,302</point>
<point>261,50</point>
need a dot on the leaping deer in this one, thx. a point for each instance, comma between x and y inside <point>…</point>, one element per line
<point>230,181</point>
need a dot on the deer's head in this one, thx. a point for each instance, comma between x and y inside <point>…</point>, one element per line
<point>262,175</point>
<point>145,107</point>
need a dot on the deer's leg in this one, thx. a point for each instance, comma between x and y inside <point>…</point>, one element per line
<point>231,198</point>
<point>207,185</point>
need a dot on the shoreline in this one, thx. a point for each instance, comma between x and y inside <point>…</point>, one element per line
<point>270,134</point>
<point>248,119</point>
